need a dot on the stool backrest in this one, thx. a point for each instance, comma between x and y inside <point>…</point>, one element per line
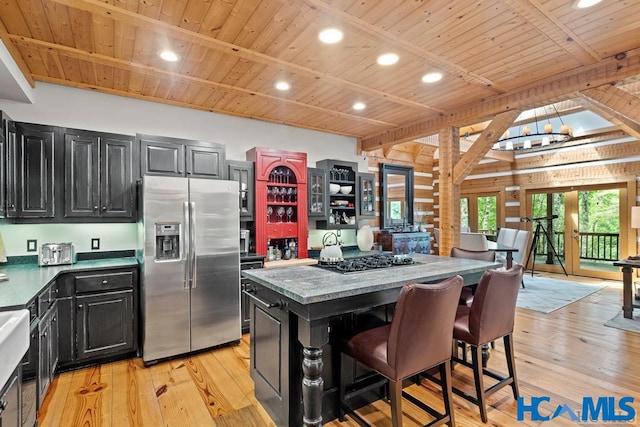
<point>422,326</point>
<point>494,304</point>
<point>473,241</point>
<point>480,255</point>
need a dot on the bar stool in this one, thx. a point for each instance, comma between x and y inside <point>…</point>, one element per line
<point>466,296</point>
<point>418,338</point>
<point>491,316</point>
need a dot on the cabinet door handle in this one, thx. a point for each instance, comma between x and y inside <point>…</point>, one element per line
<point>3,406</point>
<point>79,305</point>
<point>104,208</point>
<point>95,208</point>
<point>104,282</point>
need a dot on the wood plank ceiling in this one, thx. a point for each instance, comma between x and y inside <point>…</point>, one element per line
<point>496,56</point>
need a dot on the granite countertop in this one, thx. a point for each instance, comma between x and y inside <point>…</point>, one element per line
<point>27,280</point>
<point>310,284</point>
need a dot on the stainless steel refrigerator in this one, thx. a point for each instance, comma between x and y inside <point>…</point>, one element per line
<point>189,254</point>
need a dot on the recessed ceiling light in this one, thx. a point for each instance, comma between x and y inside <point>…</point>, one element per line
<point>582,4</point>
<point>330,35</point>
<point>359,106</point>
<point>169,56</point>
<point>282,85</point>
<point>432,77</point>
<point>388,59</point>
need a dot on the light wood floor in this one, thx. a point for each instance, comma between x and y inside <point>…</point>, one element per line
<point>566,355</point>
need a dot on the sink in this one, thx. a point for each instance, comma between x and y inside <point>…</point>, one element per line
<point>14,341</point>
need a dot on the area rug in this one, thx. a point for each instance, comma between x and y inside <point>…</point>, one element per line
<point>619,322</point>
<point>546,295</point>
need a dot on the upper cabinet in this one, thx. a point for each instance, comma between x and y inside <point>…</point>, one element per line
<point>366,195</point>
<point>165,156</point>
<point>30,171</point>
<point>99,175</point>
<point>242,172</point>
<point>341,200</point>
<point>318,188</point>
<point>5,122</point>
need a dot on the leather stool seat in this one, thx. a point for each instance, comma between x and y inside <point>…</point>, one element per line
<point>418,338</point>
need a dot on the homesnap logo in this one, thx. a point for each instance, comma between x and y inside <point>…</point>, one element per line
<point>593,409</point>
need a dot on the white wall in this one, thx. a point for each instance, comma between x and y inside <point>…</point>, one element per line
<point>84,109</point>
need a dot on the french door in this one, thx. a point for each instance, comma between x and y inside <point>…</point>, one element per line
<point>583,230</point>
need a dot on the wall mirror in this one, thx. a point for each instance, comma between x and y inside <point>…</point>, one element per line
<point>396,195</point>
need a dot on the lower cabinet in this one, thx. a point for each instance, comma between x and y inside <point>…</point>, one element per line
<point>104,324</point>
<point>271,347</point>
<point>48,345</point>
<point>10,401</point>
<point>98,312</point>
<point>247,263</point>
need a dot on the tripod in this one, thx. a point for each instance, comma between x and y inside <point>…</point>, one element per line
<point>534,247</point>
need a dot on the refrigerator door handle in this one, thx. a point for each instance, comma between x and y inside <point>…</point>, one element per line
<point>192,239</point>
<point>185,239</point>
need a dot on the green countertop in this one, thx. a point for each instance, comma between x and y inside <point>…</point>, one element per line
<point>27,280</point>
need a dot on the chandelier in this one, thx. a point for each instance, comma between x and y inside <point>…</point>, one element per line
<point>536,134</point>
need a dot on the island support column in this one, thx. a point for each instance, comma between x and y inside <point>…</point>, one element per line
<point>313,335</point>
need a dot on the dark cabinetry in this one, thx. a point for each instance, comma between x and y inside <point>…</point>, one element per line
<point>48,339</point>
<point>318,193</point>
<point>5,125</point>
<point>271,348</point>
<point>30,171</point>
<point>341,198</point>
<point>366,195</point>
<point>10,401</point>
<point>181,157</point>
<point>243,173</point>
<point>99,175</point>
<point>99,307</point>
<point>246,286</point>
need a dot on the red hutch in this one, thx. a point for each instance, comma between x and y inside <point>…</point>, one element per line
<point>281,198</point>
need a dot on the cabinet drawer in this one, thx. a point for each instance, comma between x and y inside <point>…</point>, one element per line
<point>251,265</point>
<point>282,230</point>
<point>103,282</point>
<point>46,298</point>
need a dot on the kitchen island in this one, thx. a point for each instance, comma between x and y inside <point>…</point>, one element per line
<point>294,312</point>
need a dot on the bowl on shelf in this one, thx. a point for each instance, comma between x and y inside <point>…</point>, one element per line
<point>345,189</point>
<point>341,203</point>
<point>334,188</point>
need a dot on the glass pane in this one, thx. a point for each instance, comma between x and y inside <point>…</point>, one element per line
<point>549,231</point>
<point>464,214</point>
<point>487,215</point>
<point>599,229</point>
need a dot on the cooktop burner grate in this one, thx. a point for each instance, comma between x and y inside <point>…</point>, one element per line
<point>352,265</point>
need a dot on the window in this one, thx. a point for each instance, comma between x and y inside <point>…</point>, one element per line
<point>479,213</point>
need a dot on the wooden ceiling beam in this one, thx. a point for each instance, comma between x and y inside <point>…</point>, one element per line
<point>482,145</point>
<point>616,105</point>
<point>119,14</point>
<point>551,90</point>
<point>567,40</point>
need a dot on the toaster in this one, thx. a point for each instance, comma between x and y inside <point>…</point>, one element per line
<point>57,254</point>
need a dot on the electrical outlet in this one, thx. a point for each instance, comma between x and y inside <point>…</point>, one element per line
<point>95,244</point>
<point>32,245</point>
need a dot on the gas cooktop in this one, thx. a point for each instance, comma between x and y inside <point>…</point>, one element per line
<point>371,262</point>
